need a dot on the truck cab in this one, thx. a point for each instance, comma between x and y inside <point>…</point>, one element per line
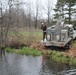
<point>74,32</point>
<point>73,28</point>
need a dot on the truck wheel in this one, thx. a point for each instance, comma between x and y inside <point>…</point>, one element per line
<point>75,38</point>
<point>68,46</point>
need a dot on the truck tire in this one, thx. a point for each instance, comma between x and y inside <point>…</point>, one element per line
<point>68,45</point>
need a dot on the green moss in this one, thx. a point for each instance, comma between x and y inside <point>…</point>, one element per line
<point>25,51</point>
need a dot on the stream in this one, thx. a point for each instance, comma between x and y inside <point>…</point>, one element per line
<point>16,64</point>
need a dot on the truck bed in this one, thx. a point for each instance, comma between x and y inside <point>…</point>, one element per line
<point>55,43</point>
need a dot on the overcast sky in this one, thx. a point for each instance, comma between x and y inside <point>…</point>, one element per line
<point>42,7</point>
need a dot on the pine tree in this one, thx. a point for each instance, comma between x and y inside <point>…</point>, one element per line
<point>59,10</point>
<point>70,9</point>
<point>65,8</point>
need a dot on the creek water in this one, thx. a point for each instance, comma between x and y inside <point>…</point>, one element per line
<point>15,64</point>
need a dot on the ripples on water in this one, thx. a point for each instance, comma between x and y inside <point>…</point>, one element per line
<point>14,64</point>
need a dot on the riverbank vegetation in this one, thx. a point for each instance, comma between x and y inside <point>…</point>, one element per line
<point>57,56</point>
<point>61,57</point>
<point>24,51</point>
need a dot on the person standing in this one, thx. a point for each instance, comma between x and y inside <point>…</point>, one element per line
<point>44,27</point>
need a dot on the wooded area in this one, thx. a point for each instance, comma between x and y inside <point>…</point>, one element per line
<point>14,17</point>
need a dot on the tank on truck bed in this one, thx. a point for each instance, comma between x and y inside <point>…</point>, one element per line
<point>59,35</point>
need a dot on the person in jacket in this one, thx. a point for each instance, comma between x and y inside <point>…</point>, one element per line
<point>44,27</point>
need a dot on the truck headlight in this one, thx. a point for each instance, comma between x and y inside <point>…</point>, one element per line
<point>48,37</point>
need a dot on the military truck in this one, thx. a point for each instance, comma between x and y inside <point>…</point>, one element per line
<point>60,35</point>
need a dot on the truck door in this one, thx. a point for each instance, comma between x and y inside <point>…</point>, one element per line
<point>74,32</point>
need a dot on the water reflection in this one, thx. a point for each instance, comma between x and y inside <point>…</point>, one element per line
<point>14,64</point>
<point>53,68</point>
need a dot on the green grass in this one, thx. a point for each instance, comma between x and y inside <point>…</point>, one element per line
<point>26,36</point>
<point>28,51</point>
<point>9,50</point>
<point>72,61</point>
<point>25,51</point>
<point>35,36</point>
<point>34,33</point>
<point>60,57</point>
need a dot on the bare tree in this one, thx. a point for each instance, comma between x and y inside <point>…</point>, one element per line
<point>37,10</point>
<point>9,19</point>
<point>47,10</point>
<point>1,25</point>
<point>17,13</point>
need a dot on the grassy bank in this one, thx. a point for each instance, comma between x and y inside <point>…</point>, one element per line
<point>24,51</point>
<point>61,57</point>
